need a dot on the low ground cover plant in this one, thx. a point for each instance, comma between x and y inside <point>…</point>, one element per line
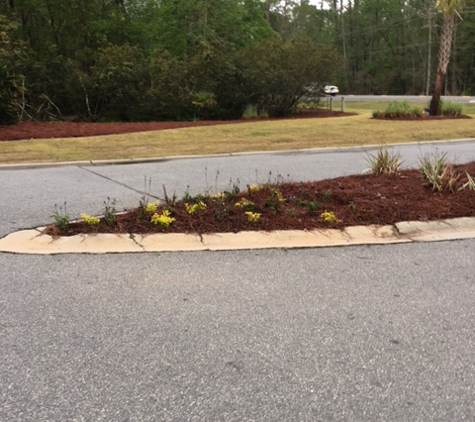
<point>429,193</point>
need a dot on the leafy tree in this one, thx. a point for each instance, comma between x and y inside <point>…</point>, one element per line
<point>113,85</point>
<point>169,86</point>
<point>225,74</point>
<point>188,26</point>
<point>285,72</point>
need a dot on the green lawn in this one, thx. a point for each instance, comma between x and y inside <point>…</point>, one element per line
<point>282,135</point>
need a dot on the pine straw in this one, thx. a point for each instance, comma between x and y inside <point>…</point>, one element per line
<point>355,200</point>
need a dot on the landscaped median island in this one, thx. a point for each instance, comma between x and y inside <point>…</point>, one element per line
<point>386,196</point>
<point>389,205</point>
<point>336,203</point>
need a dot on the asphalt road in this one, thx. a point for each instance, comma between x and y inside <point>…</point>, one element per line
<point>372,333</point>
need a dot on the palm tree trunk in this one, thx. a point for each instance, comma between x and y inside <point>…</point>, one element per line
<point>444,57</point>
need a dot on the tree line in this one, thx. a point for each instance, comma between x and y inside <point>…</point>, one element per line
<point>138,60</point>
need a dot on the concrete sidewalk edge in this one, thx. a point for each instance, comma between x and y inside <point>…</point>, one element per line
<point>34,242</point>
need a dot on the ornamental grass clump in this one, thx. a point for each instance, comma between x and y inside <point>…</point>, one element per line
<point>470,184</point>
<point>398,109</point>
<point>440,174</point>
<point>384,162</point>
<point>450,108</point>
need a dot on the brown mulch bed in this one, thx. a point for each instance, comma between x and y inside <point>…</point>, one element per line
<point>355,200</point>
<point>48,130</point>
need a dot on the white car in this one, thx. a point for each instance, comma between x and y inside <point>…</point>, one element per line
<point>330,90</point>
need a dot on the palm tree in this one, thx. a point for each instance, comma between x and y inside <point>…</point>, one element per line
<point>450,9</point>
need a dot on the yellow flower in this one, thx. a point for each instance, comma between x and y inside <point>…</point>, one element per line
<point>278,196</point>
<point>90,219</point>
<point>253,217</point>
<point>329,217</point>
<point>152,207</point>
<point>193,208</point>
<point>218,196</point>
<point>162,219</point>
<point>244,203</point>
<point>254,188</point>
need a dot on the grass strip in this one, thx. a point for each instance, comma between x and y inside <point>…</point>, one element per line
<point>280,135</point>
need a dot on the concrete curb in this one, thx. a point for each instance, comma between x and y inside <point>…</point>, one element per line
<point>34,242</point>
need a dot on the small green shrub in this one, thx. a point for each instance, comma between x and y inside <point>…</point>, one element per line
<point>109,212</point>
<point>292,212</point>
<point>274,200</point>
<point>326,195</point>
<point>61,217</point>
<point>396,109</point>
<point>313,206</point>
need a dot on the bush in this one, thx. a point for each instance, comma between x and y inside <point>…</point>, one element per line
<point>113,85</point>
<point>167,95</point>
<point>397,109</point>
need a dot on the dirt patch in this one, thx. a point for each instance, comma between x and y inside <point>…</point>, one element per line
<point>352,200</point>
<point>50,130</point>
